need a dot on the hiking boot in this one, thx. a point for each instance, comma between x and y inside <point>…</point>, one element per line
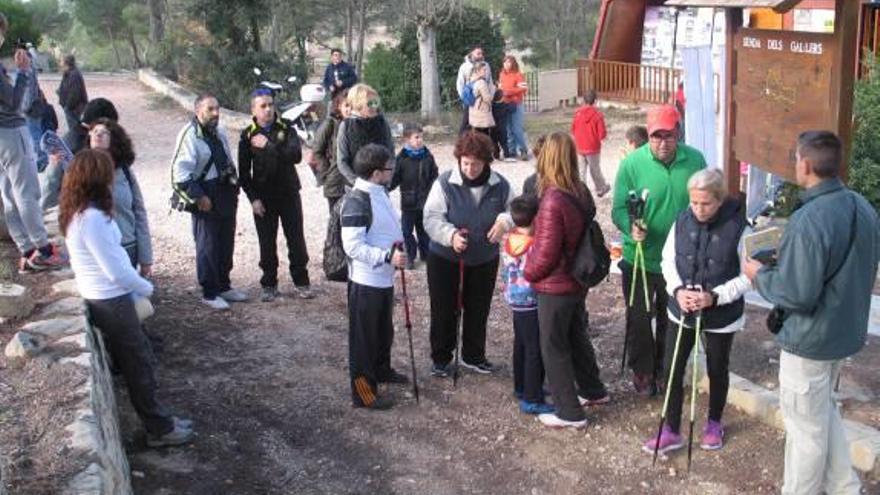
<point>217,303</point>
<point>234,295</point>
<point>594,401</point>
<point>483,367</point>
<point>54,260</point>
<point>268,294</point>
<point>394,377</point>
<point>364,394</point>
<point>441,370</point>
<point>377,404</point>
<point>713,436</point>
<point>177,436</point>
<point>304,292</point>
<point>669,441</point>
<point>535,408</point>
<point>554,421</point>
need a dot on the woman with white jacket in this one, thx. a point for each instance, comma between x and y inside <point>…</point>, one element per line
<point>109,284</point>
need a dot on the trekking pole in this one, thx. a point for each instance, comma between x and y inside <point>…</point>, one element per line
<point>412,355</point>
<point>641,249</point>
<point>459,310</point>
<point>669,385</point>
<point>694,373</point>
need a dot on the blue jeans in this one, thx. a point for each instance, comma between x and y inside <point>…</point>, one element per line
<point>35,128</point>
<point>410,220</point>
<point>516,134</point>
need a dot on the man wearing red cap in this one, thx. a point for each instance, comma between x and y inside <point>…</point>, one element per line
<point>662,167</point>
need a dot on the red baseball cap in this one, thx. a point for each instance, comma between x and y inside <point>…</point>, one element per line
<point>662,118</point>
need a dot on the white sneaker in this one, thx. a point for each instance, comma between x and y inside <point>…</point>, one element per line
<point>217,303</point>
<point>553,421</point>
<point>304,292</point>
<point>234,295</point>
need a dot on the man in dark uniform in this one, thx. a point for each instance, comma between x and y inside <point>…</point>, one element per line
<point>268,152</point>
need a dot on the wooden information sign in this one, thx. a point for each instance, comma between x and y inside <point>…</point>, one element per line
<point>783,86</point>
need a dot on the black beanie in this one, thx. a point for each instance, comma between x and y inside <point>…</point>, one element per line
<point>98,108</point>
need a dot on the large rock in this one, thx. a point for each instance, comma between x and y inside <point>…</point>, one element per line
<point>22,347</point>
<point>56,328</point>
<point>15,302</point>
<point>66,287</point>
<point>69,306</point>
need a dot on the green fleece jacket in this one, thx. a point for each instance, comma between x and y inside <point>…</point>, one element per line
<point>668,196</point>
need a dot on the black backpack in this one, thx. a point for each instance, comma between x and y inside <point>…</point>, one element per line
<point>335,260</point>
<point>592,260</point>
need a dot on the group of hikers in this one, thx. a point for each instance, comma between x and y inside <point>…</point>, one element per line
<point>682,266</point>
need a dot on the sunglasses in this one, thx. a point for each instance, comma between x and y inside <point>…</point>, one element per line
<point>374,103</point>
<point>663,136</point>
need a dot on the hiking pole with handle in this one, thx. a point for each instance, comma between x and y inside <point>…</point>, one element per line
<point>694,373</point>
<point>669,385</point>
<point>635,206</point>
<point>412,354</point>
<point>459,312</point>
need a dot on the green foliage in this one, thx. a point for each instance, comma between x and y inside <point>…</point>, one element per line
<point>389,73</point>
<point>396,72</point>
<point>230,76</point>
<point>21,25</point>
<point>864,171</point>
<point>47,14</point>
<point>570,23</point>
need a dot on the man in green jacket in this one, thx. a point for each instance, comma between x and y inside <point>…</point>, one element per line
<point>662,167</point>
<point>823,281</point>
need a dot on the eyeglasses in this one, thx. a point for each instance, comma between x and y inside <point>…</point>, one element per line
<point>663,136</point>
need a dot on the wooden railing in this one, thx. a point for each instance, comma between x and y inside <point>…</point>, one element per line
<point>628,82</point>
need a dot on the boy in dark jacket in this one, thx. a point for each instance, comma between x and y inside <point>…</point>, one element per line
<point>268,152</point>
<point>415,173</point>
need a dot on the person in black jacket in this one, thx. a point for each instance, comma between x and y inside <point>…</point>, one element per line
<point>339,74</point>
<point>415,174</point>
<point>72,92</point>
<point>268,152</point>
<point>365,125</point>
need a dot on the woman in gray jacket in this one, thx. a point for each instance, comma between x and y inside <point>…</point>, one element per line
<point>129,211</point>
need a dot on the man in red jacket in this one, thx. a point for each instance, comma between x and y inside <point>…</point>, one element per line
<point>588,131</point>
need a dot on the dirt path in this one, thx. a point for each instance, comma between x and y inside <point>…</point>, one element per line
<point>267,384</point>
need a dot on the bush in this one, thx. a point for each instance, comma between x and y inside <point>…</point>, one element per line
<point>20,26</point>
<point>395,72</point>
<point>864,171</point>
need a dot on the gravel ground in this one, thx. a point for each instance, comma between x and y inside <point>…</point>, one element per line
<point>267,383</point>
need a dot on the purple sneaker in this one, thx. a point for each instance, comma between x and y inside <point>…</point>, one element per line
<point>713,436</point>
<point>669,441</point>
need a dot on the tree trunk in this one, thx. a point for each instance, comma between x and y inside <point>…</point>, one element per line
<point>362,34</point>
<point>157,25</point>
<point>134,50</point>
<point>255,34</point>
<point>558,52</point>
<point>349,27</point>
<point>427,36</point>
<point>115,48</point>
<point>273,32</point>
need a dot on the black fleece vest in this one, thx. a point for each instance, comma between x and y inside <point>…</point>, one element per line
<point>478,219</point>
<point>706,254</point>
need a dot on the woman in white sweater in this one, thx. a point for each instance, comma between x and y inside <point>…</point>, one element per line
<point>108,283</point>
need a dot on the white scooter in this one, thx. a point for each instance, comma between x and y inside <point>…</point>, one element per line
<point>305,114</point>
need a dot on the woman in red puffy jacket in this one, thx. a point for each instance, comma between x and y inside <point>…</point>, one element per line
<point>566,209</point>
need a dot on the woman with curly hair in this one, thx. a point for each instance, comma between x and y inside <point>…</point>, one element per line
<point>566,209</point>
<point>465,217</point>
<point>109,284</point>
<point>130,213</point>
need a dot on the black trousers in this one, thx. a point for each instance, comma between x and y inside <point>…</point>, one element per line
<point>495,136</point>
<point>415,244</point>
<point>465,119</point>
<point>645,347</point>
<point>528,368</point>
<point>569,357</point>
<point>215,243</point>
<point>130,350</point>
<point>288,210</point>
<point>479,284</point>
<point>717,347</point>
<point>370,336</point>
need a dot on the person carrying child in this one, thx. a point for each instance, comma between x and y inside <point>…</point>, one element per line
<point>415,174</point>
<point>528,369</point>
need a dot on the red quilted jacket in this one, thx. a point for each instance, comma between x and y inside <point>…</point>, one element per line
<point>559,227</point>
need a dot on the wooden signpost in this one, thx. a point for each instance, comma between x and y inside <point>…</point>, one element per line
<point>781,83</point>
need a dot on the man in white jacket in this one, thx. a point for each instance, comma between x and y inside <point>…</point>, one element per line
<point>372,239</point>
<point>464,77</point>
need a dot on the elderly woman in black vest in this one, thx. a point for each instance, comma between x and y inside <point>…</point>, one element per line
<point>701,265</point>
<point>465,217</point>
